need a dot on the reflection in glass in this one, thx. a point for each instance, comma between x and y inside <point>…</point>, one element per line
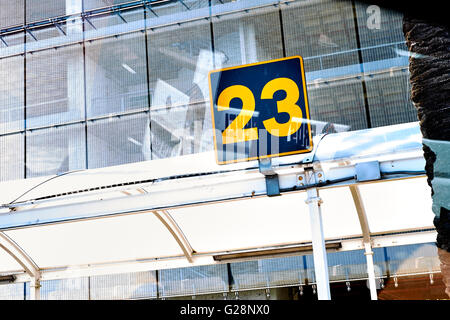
<point>116,75</point>
<point>118,140</point>
<point>12,291</point>
<point>181,58</point>
<point>338,103</point>
<point>54,86</point>
<point>12,157</point>
<point>136,59</point>
<point>11,94</point>
<point>55,150</point>
<point>65,289</point>
<point>95,4</point>
<point>123,286</point>
<point>389,99</point>
<point>37,10</point>
<point>323,32</point>
<point>11,13</point>
<point>192,281</point>
<point>248,37</point>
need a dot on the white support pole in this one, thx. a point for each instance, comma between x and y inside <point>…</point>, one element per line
<point>35,289</point>
<point>370,271</point>
<point>318,243</point>
<point>359,206</point>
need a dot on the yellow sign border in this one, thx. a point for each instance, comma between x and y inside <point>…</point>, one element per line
<point>271,155</point>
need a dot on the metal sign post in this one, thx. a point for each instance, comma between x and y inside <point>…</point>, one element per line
<point>318,242</point>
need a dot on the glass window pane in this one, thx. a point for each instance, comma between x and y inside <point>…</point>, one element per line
<point>54,35</point>
<point>248,37</point>
<point>388,94</point>
<point>11,94</point>
<point>380,32</point>
<point>116,75</point>
<point>180,58</point>
<point>56,150</point>
<point>38,10</point>
<point>14,291</point>
<point>385,63</point>
<point>410,259</point>
<point>43,9</point>
<point>65,289</point>
<point>170,11</point>
<point>11,13</point>
<point>267,273</point>
<point>339,102</point>
<point>322,32</point>
<point>12,44</point>
<point>124,286</point>
<point>95,4</point>
<point>193,281</point>
<point>118,140</point>
<point>54,86</point>
<point>114,23</point>
<point>12,157</point>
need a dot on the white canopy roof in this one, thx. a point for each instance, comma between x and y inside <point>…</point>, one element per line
<point>186,211</point>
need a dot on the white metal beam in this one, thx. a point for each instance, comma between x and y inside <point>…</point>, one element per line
<point>177,193</point>
<point>171,225</point>
<point>196,179</point>
<point>30,267</point>
<point>318,241</point>
<point>359,205</point>
<point>18,254</point>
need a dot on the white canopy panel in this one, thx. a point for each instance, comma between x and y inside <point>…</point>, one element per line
<point>131,237</point>
<point>8,264</point>
<point>398,205</point>
<point>265,222</point>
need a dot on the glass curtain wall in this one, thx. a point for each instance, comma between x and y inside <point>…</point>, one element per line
<point>95,83</point>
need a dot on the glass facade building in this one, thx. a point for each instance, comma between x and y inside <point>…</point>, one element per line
<point>94,83</point>
<point>89,84</point>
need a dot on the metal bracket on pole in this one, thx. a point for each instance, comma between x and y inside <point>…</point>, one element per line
<point>57,26</point>
<point>318,241</point>
<point>148,5</point>
<point>272,183</point>
<point>35,289</point>
<point>3,40</point>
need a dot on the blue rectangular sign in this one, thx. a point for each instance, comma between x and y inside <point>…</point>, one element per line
<point>260,110</point>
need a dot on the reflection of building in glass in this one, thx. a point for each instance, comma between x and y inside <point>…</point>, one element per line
<point>103,82</point>
<point>96,83</point>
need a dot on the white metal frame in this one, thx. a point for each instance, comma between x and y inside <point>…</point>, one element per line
<point>359,205</point>
<point>25,261</point>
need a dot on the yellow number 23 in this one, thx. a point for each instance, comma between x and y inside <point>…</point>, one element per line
<point>235,132</point>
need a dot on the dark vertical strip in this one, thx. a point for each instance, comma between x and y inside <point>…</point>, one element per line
<point>86,154</point>
<point>230,277</point>
<point>305,269</point>
<point>283,44</point>
<point>363,82</point>
<point>89,287</point>
<point>386,261</point>
<point>211,29</point>
<point>149,100</point>
<point>24,291</point>
<point>157,283</point>
<point>25,91</point>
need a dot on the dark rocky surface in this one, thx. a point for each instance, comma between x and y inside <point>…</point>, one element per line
<point>429,66</point>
